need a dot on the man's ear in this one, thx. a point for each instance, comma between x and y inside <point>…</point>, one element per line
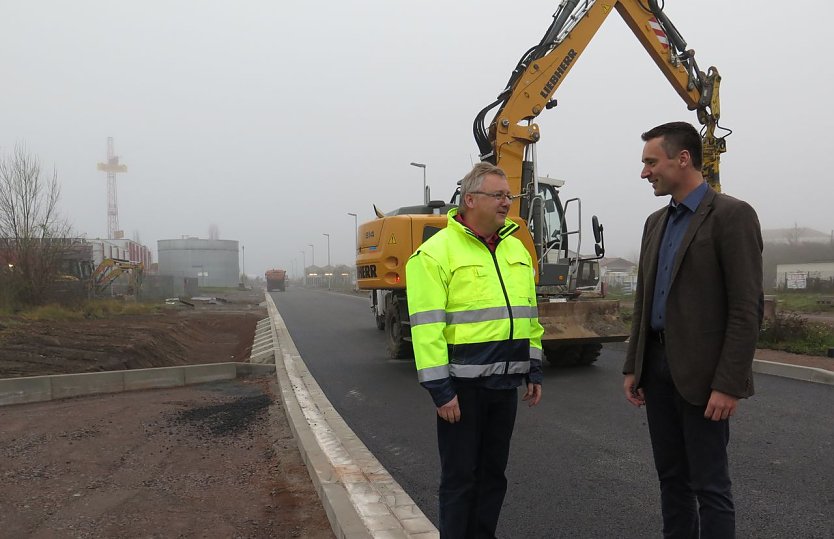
<point>684,158</point>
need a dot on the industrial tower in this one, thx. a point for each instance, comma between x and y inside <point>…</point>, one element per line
<point>111,167</point>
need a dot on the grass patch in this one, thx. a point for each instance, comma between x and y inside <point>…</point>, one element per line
<point>793,333</point>
<point>51,312</point>
<point>94,309</point>
<point>803,302</point>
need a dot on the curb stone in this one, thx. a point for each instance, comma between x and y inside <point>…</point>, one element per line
<point>360,497</point>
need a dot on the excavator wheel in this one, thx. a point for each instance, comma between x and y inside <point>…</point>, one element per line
<point>562,355</point>
<point>397,328</point>
<point>589,353</point>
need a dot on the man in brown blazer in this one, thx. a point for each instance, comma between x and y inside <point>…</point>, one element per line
<point>697,313</point>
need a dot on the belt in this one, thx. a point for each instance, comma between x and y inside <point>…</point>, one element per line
<point>657,336</point>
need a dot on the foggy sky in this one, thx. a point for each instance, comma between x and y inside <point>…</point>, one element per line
<point>273,119</point>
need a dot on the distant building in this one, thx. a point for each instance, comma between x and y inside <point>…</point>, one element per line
<point>121,249</point>
<point>812,276</point>
<point>796,236</point>
<point>618,273</point>
<point>215,263</point>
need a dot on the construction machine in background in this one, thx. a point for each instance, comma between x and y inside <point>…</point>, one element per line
<point>276,280</point>
<point>576,319</point>
<point>111,269</point>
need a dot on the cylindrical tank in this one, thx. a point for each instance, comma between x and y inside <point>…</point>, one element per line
<point>213,262</point>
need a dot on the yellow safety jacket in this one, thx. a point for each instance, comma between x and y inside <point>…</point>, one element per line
<point>473,311</point>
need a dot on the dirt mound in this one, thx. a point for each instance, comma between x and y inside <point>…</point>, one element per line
<point>31,348</point>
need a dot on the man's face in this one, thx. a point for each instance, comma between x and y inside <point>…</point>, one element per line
<point>487,212</point>
<point>663,172</point>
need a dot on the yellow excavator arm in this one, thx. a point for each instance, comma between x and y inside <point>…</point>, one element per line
<point>543,67</point>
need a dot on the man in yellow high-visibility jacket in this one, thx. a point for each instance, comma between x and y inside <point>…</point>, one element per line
<point>476,338</point>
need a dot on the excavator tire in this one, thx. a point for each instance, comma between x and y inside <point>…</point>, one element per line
<point>397,328</point>
<point>589,353</point>
<point>562,355</point>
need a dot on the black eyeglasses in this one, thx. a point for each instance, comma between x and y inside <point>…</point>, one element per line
<point>497,196</point>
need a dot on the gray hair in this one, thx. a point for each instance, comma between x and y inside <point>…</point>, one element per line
<point>475,178</point>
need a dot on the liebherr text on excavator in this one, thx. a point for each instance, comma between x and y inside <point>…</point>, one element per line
<point>575,318</point>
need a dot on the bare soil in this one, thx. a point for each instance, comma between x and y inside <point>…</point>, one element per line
<point>216,460</point>
<point>181,335</point>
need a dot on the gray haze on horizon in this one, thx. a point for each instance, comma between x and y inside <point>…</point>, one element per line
<point>275,119</point>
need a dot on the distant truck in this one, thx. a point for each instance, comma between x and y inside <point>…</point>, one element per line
<point>276,279</point>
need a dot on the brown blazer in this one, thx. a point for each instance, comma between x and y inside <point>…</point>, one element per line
<point>715,302</point>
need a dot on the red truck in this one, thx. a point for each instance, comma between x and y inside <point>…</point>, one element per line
<point>276,279</point>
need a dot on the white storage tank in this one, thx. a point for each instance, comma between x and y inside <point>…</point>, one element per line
<point>213,262</point>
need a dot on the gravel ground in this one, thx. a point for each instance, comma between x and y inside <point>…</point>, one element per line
<point>216,460</point>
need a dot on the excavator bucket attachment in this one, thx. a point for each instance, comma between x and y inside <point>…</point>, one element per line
<point>583,321</point>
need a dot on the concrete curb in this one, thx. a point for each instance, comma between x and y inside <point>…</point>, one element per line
<point>62,386</point>
<point>360,497</point>
<point>796,372</point>
<point>773,368</point>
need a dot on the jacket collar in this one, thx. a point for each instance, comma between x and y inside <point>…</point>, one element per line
<point>506,230</point>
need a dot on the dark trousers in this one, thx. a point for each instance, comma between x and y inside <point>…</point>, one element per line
<point>473,457</point>
<point>690,454</point>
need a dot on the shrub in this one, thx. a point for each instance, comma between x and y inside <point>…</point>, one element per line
<point>793,333</point>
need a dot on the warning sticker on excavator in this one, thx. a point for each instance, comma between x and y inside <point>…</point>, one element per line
<point>392,240</point>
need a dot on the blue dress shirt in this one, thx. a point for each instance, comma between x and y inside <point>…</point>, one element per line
<point>677,221</point>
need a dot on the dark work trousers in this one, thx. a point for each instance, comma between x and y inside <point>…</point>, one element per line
<point>690,454</point>
<point>473,457</point>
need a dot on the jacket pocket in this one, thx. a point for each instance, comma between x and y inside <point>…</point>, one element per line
<point>469,284</point>
<point>518,276</point>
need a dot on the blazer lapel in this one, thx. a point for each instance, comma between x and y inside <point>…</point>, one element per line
<point>652,250</point>
<point>704,208</point>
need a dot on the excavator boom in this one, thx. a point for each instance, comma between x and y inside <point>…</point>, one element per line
<point>542,69</point>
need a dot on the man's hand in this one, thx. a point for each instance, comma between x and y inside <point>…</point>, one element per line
<point>450,411</point>
<point>720,406</point>
<point>633,395</point>
<point>534,394</point>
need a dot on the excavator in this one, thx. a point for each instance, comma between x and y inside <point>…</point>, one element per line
<point>575,317</point>
<point>110,269</point>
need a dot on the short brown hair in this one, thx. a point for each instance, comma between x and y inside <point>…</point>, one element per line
<point>677,136</point>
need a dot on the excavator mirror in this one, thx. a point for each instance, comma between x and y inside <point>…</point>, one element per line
<point>597,229</point>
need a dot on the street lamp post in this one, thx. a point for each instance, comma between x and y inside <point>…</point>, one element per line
<point>356,238</point>
<point>423,166</point>
<point>243,255</point>
<point>304,263</point>
<point>313,263</point>
<point>328,246</point>
<point>355,230</point>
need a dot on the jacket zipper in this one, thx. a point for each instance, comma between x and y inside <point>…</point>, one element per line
<point>506,297</point>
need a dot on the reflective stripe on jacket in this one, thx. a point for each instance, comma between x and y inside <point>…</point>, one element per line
<point>473,312</point>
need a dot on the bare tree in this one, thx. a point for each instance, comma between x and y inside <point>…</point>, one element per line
<point>33,236</point>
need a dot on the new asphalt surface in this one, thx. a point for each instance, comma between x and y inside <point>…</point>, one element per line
<point>580,464</point>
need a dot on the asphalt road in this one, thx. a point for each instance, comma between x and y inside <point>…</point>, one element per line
<point>580,464</point>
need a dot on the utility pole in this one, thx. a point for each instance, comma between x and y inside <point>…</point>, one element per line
<point>112,167</point>
<point>328,247</point>
<point>243,251</point>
